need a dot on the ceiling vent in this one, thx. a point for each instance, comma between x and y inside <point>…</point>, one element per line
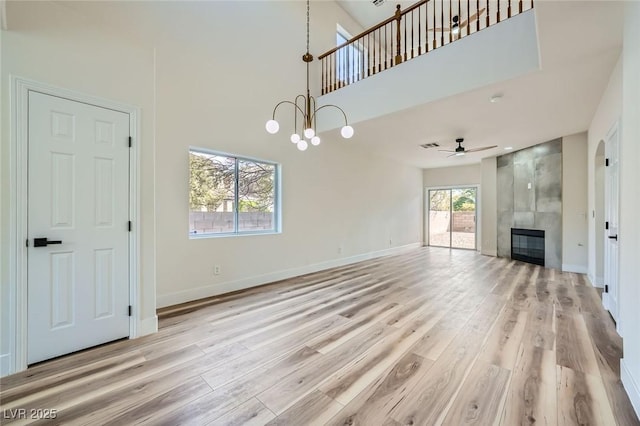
<point>430,145</point>
<point>378,2</point>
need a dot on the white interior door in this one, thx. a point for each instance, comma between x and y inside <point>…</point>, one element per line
<point>610,296</point>
<point>78,217</point>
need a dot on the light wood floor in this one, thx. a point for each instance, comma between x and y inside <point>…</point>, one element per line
<point>426,338</point>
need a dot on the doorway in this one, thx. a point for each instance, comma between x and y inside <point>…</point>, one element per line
<point>78,215</point>
<point>57,185</point>
<point>611,196</point>
<point>452,217</point>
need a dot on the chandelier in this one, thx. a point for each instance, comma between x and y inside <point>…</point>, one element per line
<point>305,109</point>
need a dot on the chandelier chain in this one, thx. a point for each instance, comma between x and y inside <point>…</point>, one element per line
<point>307,26</point>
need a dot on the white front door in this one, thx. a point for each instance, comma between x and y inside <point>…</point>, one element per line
<point>610,296</point>
<point>78,218</point>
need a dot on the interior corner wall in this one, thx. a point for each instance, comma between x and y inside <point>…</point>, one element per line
<point>574,203</point>
<point>629,231</point>
<point>489,207</point>
<point>608,112</point>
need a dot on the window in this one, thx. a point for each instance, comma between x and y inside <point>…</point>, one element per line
<point>351,59</point>
<point>232,195</point>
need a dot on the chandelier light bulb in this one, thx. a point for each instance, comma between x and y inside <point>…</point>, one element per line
<point>315,141</point>
<point>272,126</point>
<point>295,138</point>
<point>347,132</point>
<point>309,133</point>
<point>302,145</point>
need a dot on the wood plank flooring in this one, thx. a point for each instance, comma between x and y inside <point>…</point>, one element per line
<point>431,337</point>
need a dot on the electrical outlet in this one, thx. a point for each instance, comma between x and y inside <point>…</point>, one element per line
<point>216,270</point>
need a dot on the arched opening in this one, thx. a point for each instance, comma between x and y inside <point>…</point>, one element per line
<point>599,212</point>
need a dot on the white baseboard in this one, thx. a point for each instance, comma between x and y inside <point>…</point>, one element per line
<point>596,281</point>
<point>5,365</point>
<point>170,299</point>
<point>147,326</point>
<point>579,269</point>
<point>493,253</point>
<point>631,386</point>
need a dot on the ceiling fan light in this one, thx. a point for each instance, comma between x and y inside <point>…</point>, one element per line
<point>459,154</point>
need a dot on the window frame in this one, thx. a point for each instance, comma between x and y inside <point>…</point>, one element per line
<point>277,202</point>
<point>360,49</point>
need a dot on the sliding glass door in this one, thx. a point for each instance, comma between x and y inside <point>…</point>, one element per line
<point>452,217</point>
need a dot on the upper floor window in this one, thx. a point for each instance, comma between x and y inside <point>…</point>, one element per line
<point>232,195</point>
<point>351,60</point>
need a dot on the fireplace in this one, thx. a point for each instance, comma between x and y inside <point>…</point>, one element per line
<point>527,245</point>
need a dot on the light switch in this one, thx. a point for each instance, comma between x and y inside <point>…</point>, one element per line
<point>529,185</point>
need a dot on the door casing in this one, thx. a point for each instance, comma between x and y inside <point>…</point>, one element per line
<point>18,180</point>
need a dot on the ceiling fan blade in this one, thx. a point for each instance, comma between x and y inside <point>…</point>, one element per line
<point>445,150</point>
<point>484,148</point>
<point>454,155</point>
<point>472,18</point>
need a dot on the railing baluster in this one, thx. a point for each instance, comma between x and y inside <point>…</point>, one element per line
<point>498,9</point>
<point>398,41</point>
<point>459,21</point>
<point>426,27</point>
<point>441,22</point>
<point>531,4</point>
<point>468,17</point>
<point>477,15</point>
<point>435,35</point>
<point>450,22</point>
<point>405,39</point>
<point>508,8</point>
<point>419,33</point>
<point>385,47</point>
<point>520,6</point>
<point>488,14</point>
<point>412,34</point>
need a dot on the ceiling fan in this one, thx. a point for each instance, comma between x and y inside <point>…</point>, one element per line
<point>456,28</point>
<point>460,150</point>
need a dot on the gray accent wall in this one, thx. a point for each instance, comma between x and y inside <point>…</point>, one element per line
<point>537,207</point>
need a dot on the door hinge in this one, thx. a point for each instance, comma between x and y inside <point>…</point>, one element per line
<point>130,310</point>
<point>130,142</point>
<point>129,226</point>
<point>606,288</point>
<point>27,242</point>
<point>606,162</point>
<point>606,225</point>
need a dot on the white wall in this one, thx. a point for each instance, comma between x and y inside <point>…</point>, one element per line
<point>52,44</point>
<point>609,111</point>
<point>452,176</point>
<point>630,205</point>
<point>574,203</point>
<point>489,206</point>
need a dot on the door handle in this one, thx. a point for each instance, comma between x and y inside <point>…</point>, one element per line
<point>43,242</point>
<point>613,237</point>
